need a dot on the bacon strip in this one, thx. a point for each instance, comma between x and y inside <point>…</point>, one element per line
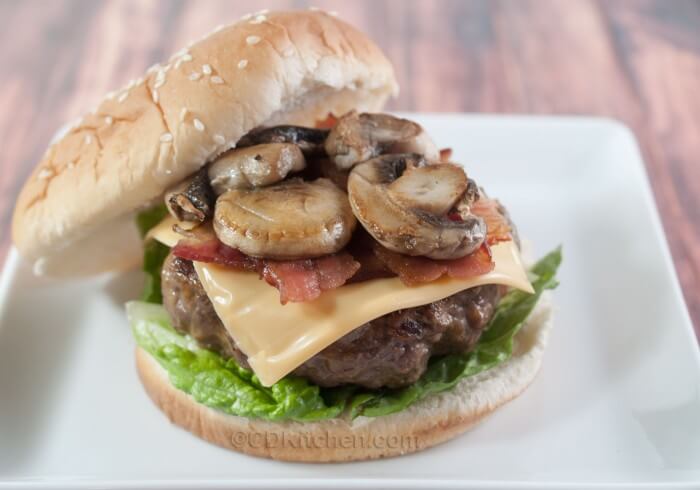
<point>418,270</point>
<point>213,251</point>
<point>328,123</point>
<point>497,225</point>
<point>445,154</point>
<point>296,280</point>
<point>475,264</point>
<point>304,280</point>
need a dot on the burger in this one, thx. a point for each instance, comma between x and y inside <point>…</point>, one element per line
<point>322,282</point>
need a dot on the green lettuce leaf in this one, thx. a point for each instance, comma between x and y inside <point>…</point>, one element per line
<point>494,347</point>
<point>154,253</point>
<point>224,385</point>
<point>221,383</point>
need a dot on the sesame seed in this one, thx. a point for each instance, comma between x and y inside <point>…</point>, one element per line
<point>109,120</point>
<point>252,40</point>
<point>259,19</point>
<point>110,95</point>
<point>166,137</point>
<point>166,68</point>
<point>314,9</point>
<point>45,173</point>
<point>247,17</point>
<point>220,27</point>
<point>198,125</point>
<point>333,13</point>
<point>153,68</point>
<point>158,84</point>
<point>168,171</point>
<point>242,64</point>
<point>206,69</point>
<point>263,11</point>
<point>88,139</point>
<point>123,97</point>
<point>219,139</point>
<point>195,76</point>
<point>154,96</point>
<point>71,165</point>
<point>183,113</point>
<point>131,84</point>
<point>217,79</point>
<point>178,63</point>
<point>182,52</point>
<point>187,57</point>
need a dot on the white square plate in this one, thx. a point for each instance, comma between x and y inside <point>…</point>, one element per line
<point>617,402</point>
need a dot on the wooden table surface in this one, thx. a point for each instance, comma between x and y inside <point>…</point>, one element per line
<point>635,60</point>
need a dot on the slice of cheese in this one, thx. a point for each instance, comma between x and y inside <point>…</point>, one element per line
<point>163,232</point>
<point>278,338</point>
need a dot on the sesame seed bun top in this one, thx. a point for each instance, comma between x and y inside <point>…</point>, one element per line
<point>74,214</point>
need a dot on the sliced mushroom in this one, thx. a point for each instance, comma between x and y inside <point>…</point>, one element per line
<point>192,201</point>
<point>359,137</point>
<point>291,220</point>
<point>255,166</point>
<point>310,140</point>
<point>404,205</point>
<point>434,189</point>
<point>471,195</point>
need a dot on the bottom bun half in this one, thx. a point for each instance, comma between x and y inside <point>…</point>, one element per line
<point>433,420</point>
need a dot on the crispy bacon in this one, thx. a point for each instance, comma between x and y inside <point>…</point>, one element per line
<point>296,280</point>
<point>497,225</point>
<point>475,264</point>
<point>417,270</point>
<point>445,154</point>
<point>411,270</point>
<point>328,123</point>
<point>213,251</point>
<point>304,280</point>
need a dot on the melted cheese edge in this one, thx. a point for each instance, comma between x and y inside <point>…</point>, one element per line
<point>279,338</point>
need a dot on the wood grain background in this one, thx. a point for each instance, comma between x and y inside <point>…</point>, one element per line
<point>635,60</point>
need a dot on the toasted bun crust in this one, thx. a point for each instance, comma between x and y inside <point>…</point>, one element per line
<point>431,421</point>
<point>292,67</point>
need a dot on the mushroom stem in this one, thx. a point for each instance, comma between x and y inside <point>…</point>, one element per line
<point>255,166</point>
<point>192,201</point>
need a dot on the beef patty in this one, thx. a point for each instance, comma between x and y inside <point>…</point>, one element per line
<point>392,350</point>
